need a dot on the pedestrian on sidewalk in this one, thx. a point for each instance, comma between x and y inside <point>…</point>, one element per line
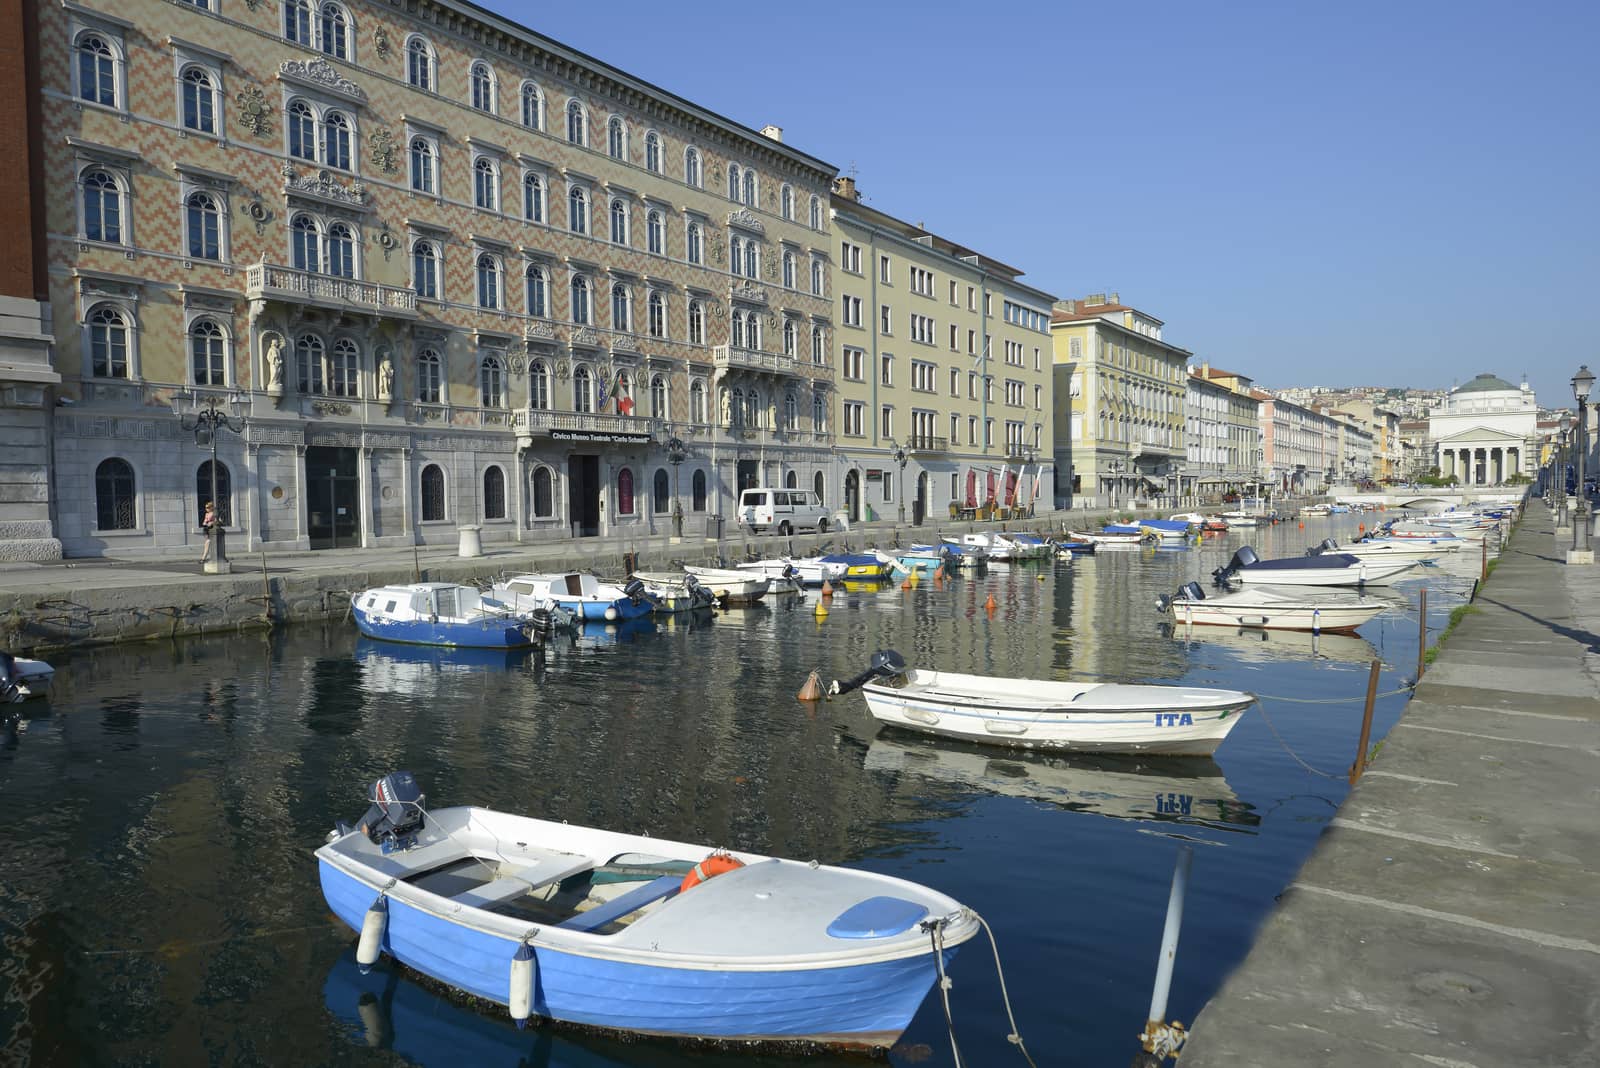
<point>207,523</point>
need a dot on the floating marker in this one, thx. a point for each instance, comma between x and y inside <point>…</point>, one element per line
<point>812,690</point>
<point>370,946</point>
<point>522,966</point>
<point>827,588</point>
<point>989,605</point>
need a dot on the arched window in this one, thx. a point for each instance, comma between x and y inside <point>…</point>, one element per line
<point>433,494</point>
<point>544,497</point>
<point>203,221</point>
<point>697,492</point>
<point>344,369</point>
<point>423,165</point>
<point>532,106</point>
<point>616,138</point>
<point>652,152</point>
<point>790,341</point>
<point>488,281</point>
<point>819,414</point>
<point>818,485</point>
<point>619,221</point>
<point>735,407</point>
<point>538,291</point>
<point>816,213</point>
<point>786,201</point>
<point>577,123</point>
<point>420,63</point>
<point>114,500</point>
<point>430,376</point>
<point>694,244</point>
<point>788,269</point>
<point>657,308</point>
<point>625,491</point>
<point>98,61</point>
<point>697,323</point>
<point>336,140</point>
<point>341,250</point>
<point>661,493</point>
<point>494,493</point>
<point>697,402</point>
<point>733,182</point>
<point>208,347</point>
<point>482,87</point>
<point>539,385</point>
<point>736,330</point>
<point>791,480</point>
<point>533,197</point>
<point>621,308</point>
<point>333,35</point>
<point>425,269</point>
<point>308,352</point>
<point>492,380</point>
<point>582,390</point>
<point>752,409</point>
<point>297,22</point>
<point>485,184</point>
<point>791,413</point>
<point>102,207</point>
<point>222,499</point>
<point>736,254</point>
<point>818,348</point>
<point>577,210</point>
<point>655,232</point>
<point>580,299</point>
<point>302,123</point>
<point>816,277</point>
<point>199,100</point>
<point>108,343</point>
<point>658,397</point>
<point>750,191</point>
<point>752,259</point>
<point>691,166</point>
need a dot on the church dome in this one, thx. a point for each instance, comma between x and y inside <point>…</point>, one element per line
<point>1485,383</point>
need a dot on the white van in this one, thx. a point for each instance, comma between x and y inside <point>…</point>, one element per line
<point>782,510</point>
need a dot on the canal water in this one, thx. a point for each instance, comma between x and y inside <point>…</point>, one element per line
<point>159,901</point>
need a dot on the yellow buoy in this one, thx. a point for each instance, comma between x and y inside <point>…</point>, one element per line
<point>821,609</point>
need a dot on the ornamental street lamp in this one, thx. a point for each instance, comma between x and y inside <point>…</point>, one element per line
<point>204,425</point>
<point>1561,475</point>
<point>1582,383</point>
<point>900,490</point>
<point>677,452</point>
<point>1115,467</point>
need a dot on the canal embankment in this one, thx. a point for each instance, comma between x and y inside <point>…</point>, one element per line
<point>1449,913</point>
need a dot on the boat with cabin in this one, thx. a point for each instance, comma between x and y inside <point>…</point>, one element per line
<point>1330,569</point>
<point>446,613</point>
<point>1269,608</point>
<point>23,677</point>
<point>579,593</point>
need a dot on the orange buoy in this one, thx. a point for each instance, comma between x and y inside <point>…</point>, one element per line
<point>1302,524</point>
<point>718,863</point>
<point>812,690</point>
<point>1361,526</point>
<point>827,588</point>
<point>906,585</point>
<point>989,605</point>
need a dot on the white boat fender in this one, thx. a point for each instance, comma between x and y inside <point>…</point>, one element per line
<point>611,613</point>
<point>523,968</point>
<point>373,926</point>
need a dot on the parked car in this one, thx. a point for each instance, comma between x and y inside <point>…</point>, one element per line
<point>782,510</point>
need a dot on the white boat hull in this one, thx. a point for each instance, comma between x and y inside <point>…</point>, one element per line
<point>1270,616</point>
<point>1366,573</point>
<point>735,587</point>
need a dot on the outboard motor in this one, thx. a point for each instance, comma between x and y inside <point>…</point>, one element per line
<point>396,814</point>
<point>1243,558</point>
<point>885,663</point>
<point>791,572</point>
<point>10,689</point>
<point>1192,591</point>
<point>541,622</point>
<point>634,590</point>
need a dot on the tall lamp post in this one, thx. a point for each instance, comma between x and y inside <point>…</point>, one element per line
<point>204,425</point>
<point>1582,383</point>
<point>1115,467</point>
<point>1561,475</point>
<point>900,490</point>
<point>677,452</point>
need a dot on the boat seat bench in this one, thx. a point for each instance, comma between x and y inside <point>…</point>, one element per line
<point>622,904</point>
<point>551,869</point>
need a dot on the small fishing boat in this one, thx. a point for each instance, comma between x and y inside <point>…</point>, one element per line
<point>1332,569</point>
<point>731,586</point>
<point>1095,717</point>
<point>1069,545</point>
<point>1384,549</point>
<point>445,613</point>
<point>860,566</point>
<point>674,591</point>
<point>1268,608</point>
<point>811,571</point>
<point>1108,536</point>
<point>1317,510</point>
<point>1245,519</point>
<point>1429,529</point>
<point>927,557</point>
<point>965,557</point>
<point>1166,529</point>
<point>1200,521</point>
<point>1028,546</point>
<point>637,934</point>
<point>583,595</point>
<point>994,547</point>
<point>22,677</point>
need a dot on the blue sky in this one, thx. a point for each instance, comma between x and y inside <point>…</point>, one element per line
<point>1390,194</point>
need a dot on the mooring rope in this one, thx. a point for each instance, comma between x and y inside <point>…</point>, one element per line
<point>1286,749</point>
<point>1328,700</point>
<point>1015,1036</point>
<point>935,929</point>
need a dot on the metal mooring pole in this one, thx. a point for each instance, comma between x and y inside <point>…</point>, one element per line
<point>1158,1037</point>
<point>1422,630</point>
<point>1366,726</point>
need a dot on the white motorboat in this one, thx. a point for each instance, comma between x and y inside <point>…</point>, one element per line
<point>1245,519</point>
<point>22,677</point>
<point>583,595</point>
<point>1206,523</point>
<point>1385,549</point>
<point>674,591</point>
<point>808,571</point>
<point>1332,569</point>
<point>997,548</point>
<point>1096,717</point>
<point>1108,537</point>
<point>1415,528</point>
<point>731,586</point>
<point>1269,608</point>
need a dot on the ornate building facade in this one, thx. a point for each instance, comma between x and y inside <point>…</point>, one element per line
<point>446,271</point>
<point>1485,432</point>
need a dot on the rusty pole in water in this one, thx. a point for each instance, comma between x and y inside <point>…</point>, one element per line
<point>1366,726</point>
<point>1422,630</point>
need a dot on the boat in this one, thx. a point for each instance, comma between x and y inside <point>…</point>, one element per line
<point>1332,569</point>
<point>811,571</point>
<point>1209,523</point>
<point>1030,546</point>
<point>967,557</point>
<point>1383,549</point>
<point>635,934</point>
<point>674,591</point>
<point>1108,536</point>
<point>1166,529</point>
<point>860,566</point>
<point>1255,645</point>
<point>1317,510</point>
<point>1095,717</point>
<point>994,547</point>
<point>926,558</point>
<point>579,593</point>
<point>896,569</point>
<point>1429,529</point>
<point>1268,608</point>
<point>731,586</point>
<point>445,613</point>
<point>22,677</point>
<point>1071,544</point>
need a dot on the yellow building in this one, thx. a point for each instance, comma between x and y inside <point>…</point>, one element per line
<point>943,375</point>
<point>1122,437</point>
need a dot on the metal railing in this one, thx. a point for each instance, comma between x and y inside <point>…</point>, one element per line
<point>543,421</point>
<point>927,443</point>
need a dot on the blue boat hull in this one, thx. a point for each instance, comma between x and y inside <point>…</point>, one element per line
<point>595,611</point>
<point>488,634</point>
<point>862,1006</point>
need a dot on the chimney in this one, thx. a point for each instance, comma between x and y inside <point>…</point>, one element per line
<point>1205,369</point>
<point>773,132</point>
<point>844,188</point>
<point>1115,299</point>
<point>1068,306</point>
<point>1095,298</point>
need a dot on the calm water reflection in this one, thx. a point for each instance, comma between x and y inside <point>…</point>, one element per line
<point>159,901</point>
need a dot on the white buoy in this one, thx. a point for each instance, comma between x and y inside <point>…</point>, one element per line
<point>373,924</point>
<point>522,966</point>
<point>611,614</point>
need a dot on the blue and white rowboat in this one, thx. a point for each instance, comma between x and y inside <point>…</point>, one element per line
<point>440,613</point>
<point>585,596</point>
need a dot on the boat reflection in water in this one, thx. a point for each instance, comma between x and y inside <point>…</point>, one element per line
<point>1257,645</point>
<point>395,667</point>
<point>1187,790</point>
<point>388,1009</point>
<point>593,634</point>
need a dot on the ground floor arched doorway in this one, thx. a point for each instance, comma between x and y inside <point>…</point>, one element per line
<point>919,504</point>
<point>852,494</point>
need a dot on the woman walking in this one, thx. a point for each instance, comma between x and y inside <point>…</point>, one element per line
<point>207,523</point>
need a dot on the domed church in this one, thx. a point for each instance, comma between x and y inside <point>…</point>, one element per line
<point>1486,431</point>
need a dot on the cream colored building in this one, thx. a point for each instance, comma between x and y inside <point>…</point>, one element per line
<point>1485,432</point>
<point>1223,436</point>
<point>1125,402</point>
<point>944,364</point>
<point>446,270</point>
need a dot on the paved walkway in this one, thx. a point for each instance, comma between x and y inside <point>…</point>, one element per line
<point>1450,916</point>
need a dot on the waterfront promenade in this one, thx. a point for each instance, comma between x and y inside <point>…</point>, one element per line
<point>1450,914</point>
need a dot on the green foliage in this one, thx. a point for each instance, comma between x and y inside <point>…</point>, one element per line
<point>1456,616</point>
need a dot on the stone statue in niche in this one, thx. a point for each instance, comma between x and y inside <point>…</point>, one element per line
<point>727,408</point>
<point>274,366</point>
<point>385,379</point>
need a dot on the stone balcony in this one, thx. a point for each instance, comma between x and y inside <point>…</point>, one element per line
<point>923,444</point>
<point>271,281</point>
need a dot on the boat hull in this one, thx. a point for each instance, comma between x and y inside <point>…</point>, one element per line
<point>1366,573</point>
<point>495,634</point>
<point>594,611</point>
<point>1268,617</point>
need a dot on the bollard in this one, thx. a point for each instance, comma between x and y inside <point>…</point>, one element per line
<point>1484,567</point>
<point>1366,726</point>
<point>1422,631</point>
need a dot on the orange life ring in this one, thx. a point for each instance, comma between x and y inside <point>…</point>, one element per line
<point>714,865</point>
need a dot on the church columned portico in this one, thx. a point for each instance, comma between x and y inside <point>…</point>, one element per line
<point>1484,433</point>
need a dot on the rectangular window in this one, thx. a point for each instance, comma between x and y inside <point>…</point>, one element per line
<point>921,282</point>
<point>854,360</point>
<point>886,423</point>
<point>955,382</point>
<point>886,374</point>
<point>972,299</point>
<point>884,274</point>
<point>853,415</point>
<point>988,433</point>
<point>972,342</point>
<point>955,337</point>
<point>885,319</point>
<point>851,311</point>
<point>972,430</point>
<point>850,257</point>
<point>924,376</point>
<point>922,329</point>
<point>954,290</point>
<point>955,429</point>
<point>972,385</point>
